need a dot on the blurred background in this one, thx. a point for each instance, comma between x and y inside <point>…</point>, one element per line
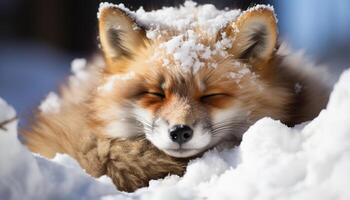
<point>39,38</point>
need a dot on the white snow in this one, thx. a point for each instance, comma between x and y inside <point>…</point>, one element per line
<point>51,104</point>
<point>310,161</point>
<point>24,175</point>
<point>259,7</point>
<point>187,48</point>
<point>80,72</point>
<point>109,84</point>
<point>187,16</point>
<point>78,67</point>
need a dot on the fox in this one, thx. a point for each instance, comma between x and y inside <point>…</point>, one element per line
<point>159,101</point>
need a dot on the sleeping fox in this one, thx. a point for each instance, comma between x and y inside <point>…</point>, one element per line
<point>167,93</point>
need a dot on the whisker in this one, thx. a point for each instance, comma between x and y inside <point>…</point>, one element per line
<point>232,120</point>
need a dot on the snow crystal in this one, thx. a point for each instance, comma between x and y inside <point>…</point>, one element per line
<point>259,7</point>
<point>188,52</point>
<point>109,85</point>
<point>152,34</point>
<point>51,104</point>
<point>243,70</point>
<point>78,68</point>
<point>106,5</point>
<point>172,44</point>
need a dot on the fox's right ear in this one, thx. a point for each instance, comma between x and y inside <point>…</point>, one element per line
<point>120,35</point>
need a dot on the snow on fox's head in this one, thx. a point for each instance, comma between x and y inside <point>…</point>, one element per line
<point>187,78</point>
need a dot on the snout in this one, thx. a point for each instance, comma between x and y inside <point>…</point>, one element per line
<point>180,133</point>
<point>179,139</point>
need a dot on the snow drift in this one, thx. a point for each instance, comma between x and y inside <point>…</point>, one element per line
<point>273,162</point>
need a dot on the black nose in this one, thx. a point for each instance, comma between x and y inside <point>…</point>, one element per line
<point>181,133</point>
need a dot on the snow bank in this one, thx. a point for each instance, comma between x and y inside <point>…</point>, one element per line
<point>24,175</point>
<point>272,162</point>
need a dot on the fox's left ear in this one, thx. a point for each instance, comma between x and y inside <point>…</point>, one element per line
<point>254,34</point>
<point>119,33</point>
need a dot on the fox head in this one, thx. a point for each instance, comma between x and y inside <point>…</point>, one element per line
<point>187,90</point>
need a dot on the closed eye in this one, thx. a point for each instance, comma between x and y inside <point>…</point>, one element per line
<point>209,96</point>
<point>157,94</point>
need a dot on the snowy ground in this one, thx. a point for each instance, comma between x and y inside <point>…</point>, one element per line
<point>273,162</point>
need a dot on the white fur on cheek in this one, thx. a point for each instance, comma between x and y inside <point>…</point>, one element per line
<point>118,122</point>
<point>200,139</point>
<point>229,114</point>
<point>144,117</point>
<point>233,115</point>
<point>117,129</point>
<point>160,136</point>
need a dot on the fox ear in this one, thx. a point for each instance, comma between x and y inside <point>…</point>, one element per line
<point>254,34</point>
<point>120,35</point>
